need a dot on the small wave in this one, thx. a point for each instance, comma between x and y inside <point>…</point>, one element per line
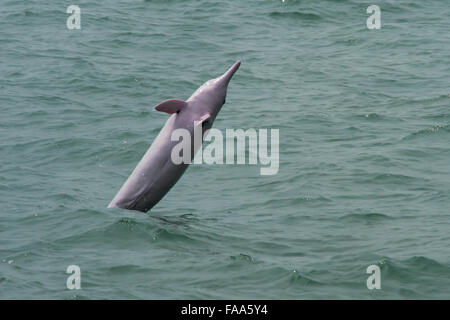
<point>126,268</point>
<point>296,278</point>
<point>295,15</point>
<point>436,129</point>
<point>296,201</point>
<point>62,197</point>
<point>416,268</point>
<point>123,232</point>
<point>182,220</point>
<point>426,101</point>
<point>365,217</point>
<point>372,117</point>
<point>243,257</point>
<point>426,264</point>
<point>384,178</point>
<point>281,277</point>
<point>163,234</point>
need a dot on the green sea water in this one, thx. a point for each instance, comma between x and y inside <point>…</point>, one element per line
<point>364,176</point>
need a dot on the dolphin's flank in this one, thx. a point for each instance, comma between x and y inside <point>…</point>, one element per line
<point>155,174</point>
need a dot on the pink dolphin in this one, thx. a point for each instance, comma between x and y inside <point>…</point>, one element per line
<point>156,173</point>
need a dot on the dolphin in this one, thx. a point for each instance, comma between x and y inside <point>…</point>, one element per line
<point>156,173</point>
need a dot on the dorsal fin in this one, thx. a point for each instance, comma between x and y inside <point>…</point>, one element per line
<point>171,106</point>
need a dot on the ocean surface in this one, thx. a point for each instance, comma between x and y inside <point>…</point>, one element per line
<point>364,123</point>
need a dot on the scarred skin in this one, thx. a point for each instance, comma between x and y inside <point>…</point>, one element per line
<point>155,174</point>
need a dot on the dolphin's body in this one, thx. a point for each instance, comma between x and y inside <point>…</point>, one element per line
<point>156,173</point>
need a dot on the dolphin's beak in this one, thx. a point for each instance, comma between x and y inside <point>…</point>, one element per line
<point>226,77</point>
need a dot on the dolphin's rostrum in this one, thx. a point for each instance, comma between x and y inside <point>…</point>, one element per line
<point>156,173</point>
